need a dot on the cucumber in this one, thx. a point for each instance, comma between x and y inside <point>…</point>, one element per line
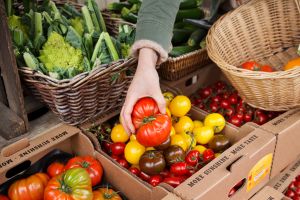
<point>128,16</point>
<point>186,4</point>
<point>194,13</point>
<point>196,37</point>
<point>118,6</point>
<point>184,25</point>
<point>180,36</point>
<point>180,50</point>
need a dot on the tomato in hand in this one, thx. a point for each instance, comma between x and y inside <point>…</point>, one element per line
<point>155,180</point>
<point>192,157</point>
<point>152,127</point>
<point>55,169</point>
<point>90,164</point>
<point>117,148</point>
<point>31,188</point>
<point>251,65</point>
<point>72,184</point>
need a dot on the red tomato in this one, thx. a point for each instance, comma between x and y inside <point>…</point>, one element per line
<point>216,99</point>
<point>260,118</point>
<point>201,106</point>
<point>267,68</point>
<point>144,176</point>
<point>225,104</point>
<point>290,193</point>
<point>115,157</point>
<point>152,127</point>
<point>155,180</point>
<point>3,197</point>
<point>233,99</point>
<point>247,117</point>
<point>251,65</point>
<point>165,173</point>
<point>123,163</point>
<point>106,146</point>
<point>208,155</point>
<point>90,164</point>
<point>206,92</point>
<point>174,181</point>
<point>55,169</point>
<point>192,157</point>
<point>135,171</point>
<point>235,120</point>
<point>214,107</point>
<point>179,169</point>
<point>117,148</point>
<point>229,112</point>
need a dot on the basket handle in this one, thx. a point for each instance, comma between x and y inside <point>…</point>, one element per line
<point>298,5</point>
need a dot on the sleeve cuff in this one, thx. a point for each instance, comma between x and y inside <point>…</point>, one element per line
<point>139,44</point>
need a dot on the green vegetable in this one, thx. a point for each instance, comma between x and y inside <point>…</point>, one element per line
<point>56,15</point>
<point>111,48</point>
<point>31,61</point>
<point>58,56</point>
<point>196,37</point>
<point>135,1</point>
<point>87,20</point>
<point>70,11</point>
<point>126,38</point>
<point>128,16</point>
<point>180,36</point>
<point>77,24</point>
<point>186,26</point>
<point>73,38</point>
<point>180,50</point>
<point>118,6</point>
<point>203,44</point>
<point>135,8</point>
<point>14,22</point>
<point>194,13</point>
<point>97,49</point>
<point>186,4</point>
<point>96,16</point>
<point>88,45</point>
<point>8,7</point>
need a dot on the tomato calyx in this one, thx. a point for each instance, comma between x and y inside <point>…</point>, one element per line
<point>64,187</point>
<point>107,195</point>
<point>85,164</point>
<point>149,119</point>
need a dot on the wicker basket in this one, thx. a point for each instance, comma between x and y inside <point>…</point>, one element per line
<point>176,68</point>
<point>86,95</point>
<point>267,31</point>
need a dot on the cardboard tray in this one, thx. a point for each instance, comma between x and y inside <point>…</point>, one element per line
<point>251,146</point>
<point>278,185</point>
<point>285,127</point>
<point>18,157</point>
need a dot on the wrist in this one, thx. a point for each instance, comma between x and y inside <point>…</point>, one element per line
<point>147,58</point>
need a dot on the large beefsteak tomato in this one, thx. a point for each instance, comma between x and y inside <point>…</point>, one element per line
<point>153,128</point>
<point>90,164</point>
<point>31,188</point>
<point>73,184</point>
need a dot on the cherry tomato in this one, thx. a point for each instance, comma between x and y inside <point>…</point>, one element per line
<point>260,118</point>
<point>240,116</point>
<point>206,92</point>
<point>115,157</point>
<point>144,176</point>
<point>220,84</point>
<point>297,184</point>
<point>235,120</point>
<point>247,117</point>
<point>201,106</point>
<point>174,181</point>
<point>251,65</point>
<point>208,155</point>
<point>296,198</point>
<point>225,104</point>
<point>179,169</point>
<point>216,99</point>
<point>233,99</point>
<point>123,163</point>
<point>192,157</point>
<point>214,107</point>
<point>165,173</point>
<point>226,95</point>
<point>229,112</point>
<point>267,68</point>
<point>191,171</point>
<point>135,171</point>
<point>55,169</point>
<point>290,193</point>
<point>106,146</point>
<point>118,148</point>
<point>155,180</point>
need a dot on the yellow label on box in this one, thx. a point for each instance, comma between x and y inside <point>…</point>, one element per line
<point>259,171</point>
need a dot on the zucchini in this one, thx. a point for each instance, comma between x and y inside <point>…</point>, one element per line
<point>186,4</point>
<point>184,25</point>
<point>194,13</point>
<point>118,6</point>
<point>180,50</point>
<point>180,36</point>
<point>196,37</point>
<point>128,16</point>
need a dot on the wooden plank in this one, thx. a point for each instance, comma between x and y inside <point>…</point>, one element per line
<point>9,70</point>
<point>3,98</point>
<point>10,124</point>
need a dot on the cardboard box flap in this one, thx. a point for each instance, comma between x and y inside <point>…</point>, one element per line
<point>15,154</point>
<point>268,193</point>
<point>283,122</point>
<point>239,159</point>
<point>282,181</point>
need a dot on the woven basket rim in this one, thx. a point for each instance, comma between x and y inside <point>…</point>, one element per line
<point>174,59</point>
<point>292,73</point>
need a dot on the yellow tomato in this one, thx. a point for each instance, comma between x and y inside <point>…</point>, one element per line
<point>168,112</point>
<point>173,132</point>
<point>197,124</point>
<point>132,137</point>
<point>216,121</point>
<point>217,154</point>
<point>179,141</point>
<point>203,134</point>
<point>149,148</point>
<point>133,151</point>
<point>200,148</point>
<point>185,124</point>
<point>180,106</point>
<point>169,96</point>
<point>189,139</point>
<point>118,134</point>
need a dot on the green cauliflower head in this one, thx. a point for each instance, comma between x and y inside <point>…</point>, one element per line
<point>57,53</point>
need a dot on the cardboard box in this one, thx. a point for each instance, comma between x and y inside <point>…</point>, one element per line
<point>251,147</point>
<point>278,185</point>
<point>285,127</point>
<point>71,140</point>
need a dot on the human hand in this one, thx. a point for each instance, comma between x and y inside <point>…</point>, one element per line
<point>145,83</point>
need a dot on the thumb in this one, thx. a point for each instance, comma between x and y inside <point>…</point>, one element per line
<point>161,103</point>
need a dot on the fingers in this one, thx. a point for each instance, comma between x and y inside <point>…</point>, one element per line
<point>161,102</point>
<point>126,116</point>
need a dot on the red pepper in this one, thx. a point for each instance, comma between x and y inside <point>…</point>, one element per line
<point>179,169</point>
<point>174,181</point>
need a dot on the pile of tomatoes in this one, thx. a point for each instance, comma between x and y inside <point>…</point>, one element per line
<point>166,148</point>
<point>71,181</point>
<point>224,99</point>
<point>293,190</point>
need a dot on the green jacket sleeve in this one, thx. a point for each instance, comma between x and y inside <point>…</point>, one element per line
<point>155,26</point>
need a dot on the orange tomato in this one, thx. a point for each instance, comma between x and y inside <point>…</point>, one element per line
<point>292,64</point>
